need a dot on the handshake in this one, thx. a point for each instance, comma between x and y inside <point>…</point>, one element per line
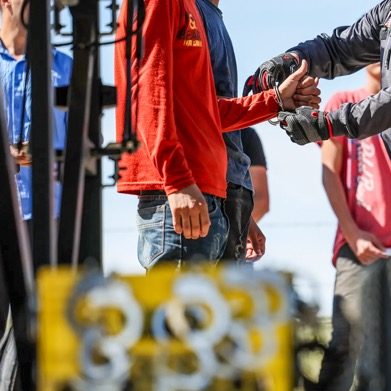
<point>298,96</point>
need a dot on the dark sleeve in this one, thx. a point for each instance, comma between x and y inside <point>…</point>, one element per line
<point>252,147</point>
<point>365,118</point>
<point>349,48</point>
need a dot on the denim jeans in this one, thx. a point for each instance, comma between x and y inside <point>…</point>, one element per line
<point>238,206</point>
<point>159,243</point>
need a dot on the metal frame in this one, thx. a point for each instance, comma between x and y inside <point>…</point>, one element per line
<point>80,228</point>
<point>40,59</point>
<point>16,262</point>
<point>83,84</point>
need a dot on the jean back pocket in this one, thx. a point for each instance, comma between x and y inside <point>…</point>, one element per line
<point>150,225</point>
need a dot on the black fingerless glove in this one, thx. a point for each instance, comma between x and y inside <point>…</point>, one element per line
<point>306,125</point>
<point>271,73</point>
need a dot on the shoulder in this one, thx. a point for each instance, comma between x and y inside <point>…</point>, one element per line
<point>62,57</point>
<point>62,63</point>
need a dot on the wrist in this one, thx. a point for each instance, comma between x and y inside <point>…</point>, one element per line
<point>339,128</point>
<point>296,56</point>
<point>350,232</point>
<point>279,98</point>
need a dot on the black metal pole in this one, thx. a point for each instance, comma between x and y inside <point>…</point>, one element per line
<point>91,232</point>
<point>85,33</point>
<point>40,59</point>
<point>15,261</point>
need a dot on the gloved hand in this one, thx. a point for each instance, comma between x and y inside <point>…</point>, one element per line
<point>271,72</point>
<point>306,125</point>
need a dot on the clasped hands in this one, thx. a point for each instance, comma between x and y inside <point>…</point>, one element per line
<point>298,96</point>
<point>298,90</point>
<point>21,154</point>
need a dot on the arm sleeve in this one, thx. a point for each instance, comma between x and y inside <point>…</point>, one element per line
<point>348,49</point>
<point>238,113</point>
<point>366,118</point>
<point>252,147</point>
<point>333,104</point>
<point>153,93</point>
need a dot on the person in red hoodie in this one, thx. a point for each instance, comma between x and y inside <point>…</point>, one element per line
<point>179,172</point>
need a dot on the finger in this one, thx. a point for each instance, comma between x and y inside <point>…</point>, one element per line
<point>263,246</point>
<point>249,253</point>
<point>307,98</point>
<point>376,253</point>
<point>257,246</point>
<point>300,73</point>
<point>375,240</point>
<point>307,81</point>
<point>177,222</point>
<point>204,220</point>
<point>317,81</point>
<point>306,103</point>
<point>372,254</point>
<point>251,256</point>
<point>195,225</point>
<point>364,259</point>
<point>186,226</point>
<point>308,91</point>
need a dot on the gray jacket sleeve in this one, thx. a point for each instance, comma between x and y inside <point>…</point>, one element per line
<point>366,118</point>
<point>348,49</point>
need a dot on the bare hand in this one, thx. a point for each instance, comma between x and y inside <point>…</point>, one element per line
<point>367,247</point>
<point>307,93</point>
<point>21,156</point>
<point>299,90</point>
<point>190,212</point>
<point>256,241</point>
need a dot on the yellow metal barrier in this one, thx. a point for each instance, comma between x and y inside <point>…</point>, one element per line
<point>211,329</point>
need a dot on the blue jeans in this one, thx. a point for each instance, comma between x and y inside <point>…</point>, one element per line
<point>159,243</point>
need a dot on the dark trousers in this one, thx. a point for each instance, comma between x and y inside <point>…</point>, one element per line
<point>340,362</point>
<point>238,207</point>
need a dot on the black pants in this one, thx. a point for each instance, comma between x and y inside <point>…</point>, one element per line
<point>238,208</point>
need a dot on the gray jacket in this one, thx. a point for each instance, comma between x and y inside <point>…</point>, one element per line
<point>346,51</point>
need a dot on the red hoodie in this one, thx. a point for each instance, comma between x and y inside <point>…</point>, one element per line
<point>175,111</point>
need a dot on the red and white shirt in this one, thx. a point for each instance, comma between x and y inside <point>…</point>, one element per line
<point>366,177</point>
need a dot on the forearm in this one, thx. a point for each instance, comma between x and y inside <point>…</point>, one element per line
<point>337,198</point>
<point>366,118</point>
<point>329,56</point>
<point>348,49</point>
<point>261,207</point>
<point>238,113</point>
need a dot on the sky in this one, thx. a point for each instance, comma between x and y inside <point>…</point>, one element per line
<point>300,226</point>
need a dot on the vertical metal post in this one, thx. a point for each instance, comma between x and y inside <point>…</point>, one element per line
<point>91,232</point>
<point>44,237</point>
<point>85,33</point>
<point>15,261</point>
